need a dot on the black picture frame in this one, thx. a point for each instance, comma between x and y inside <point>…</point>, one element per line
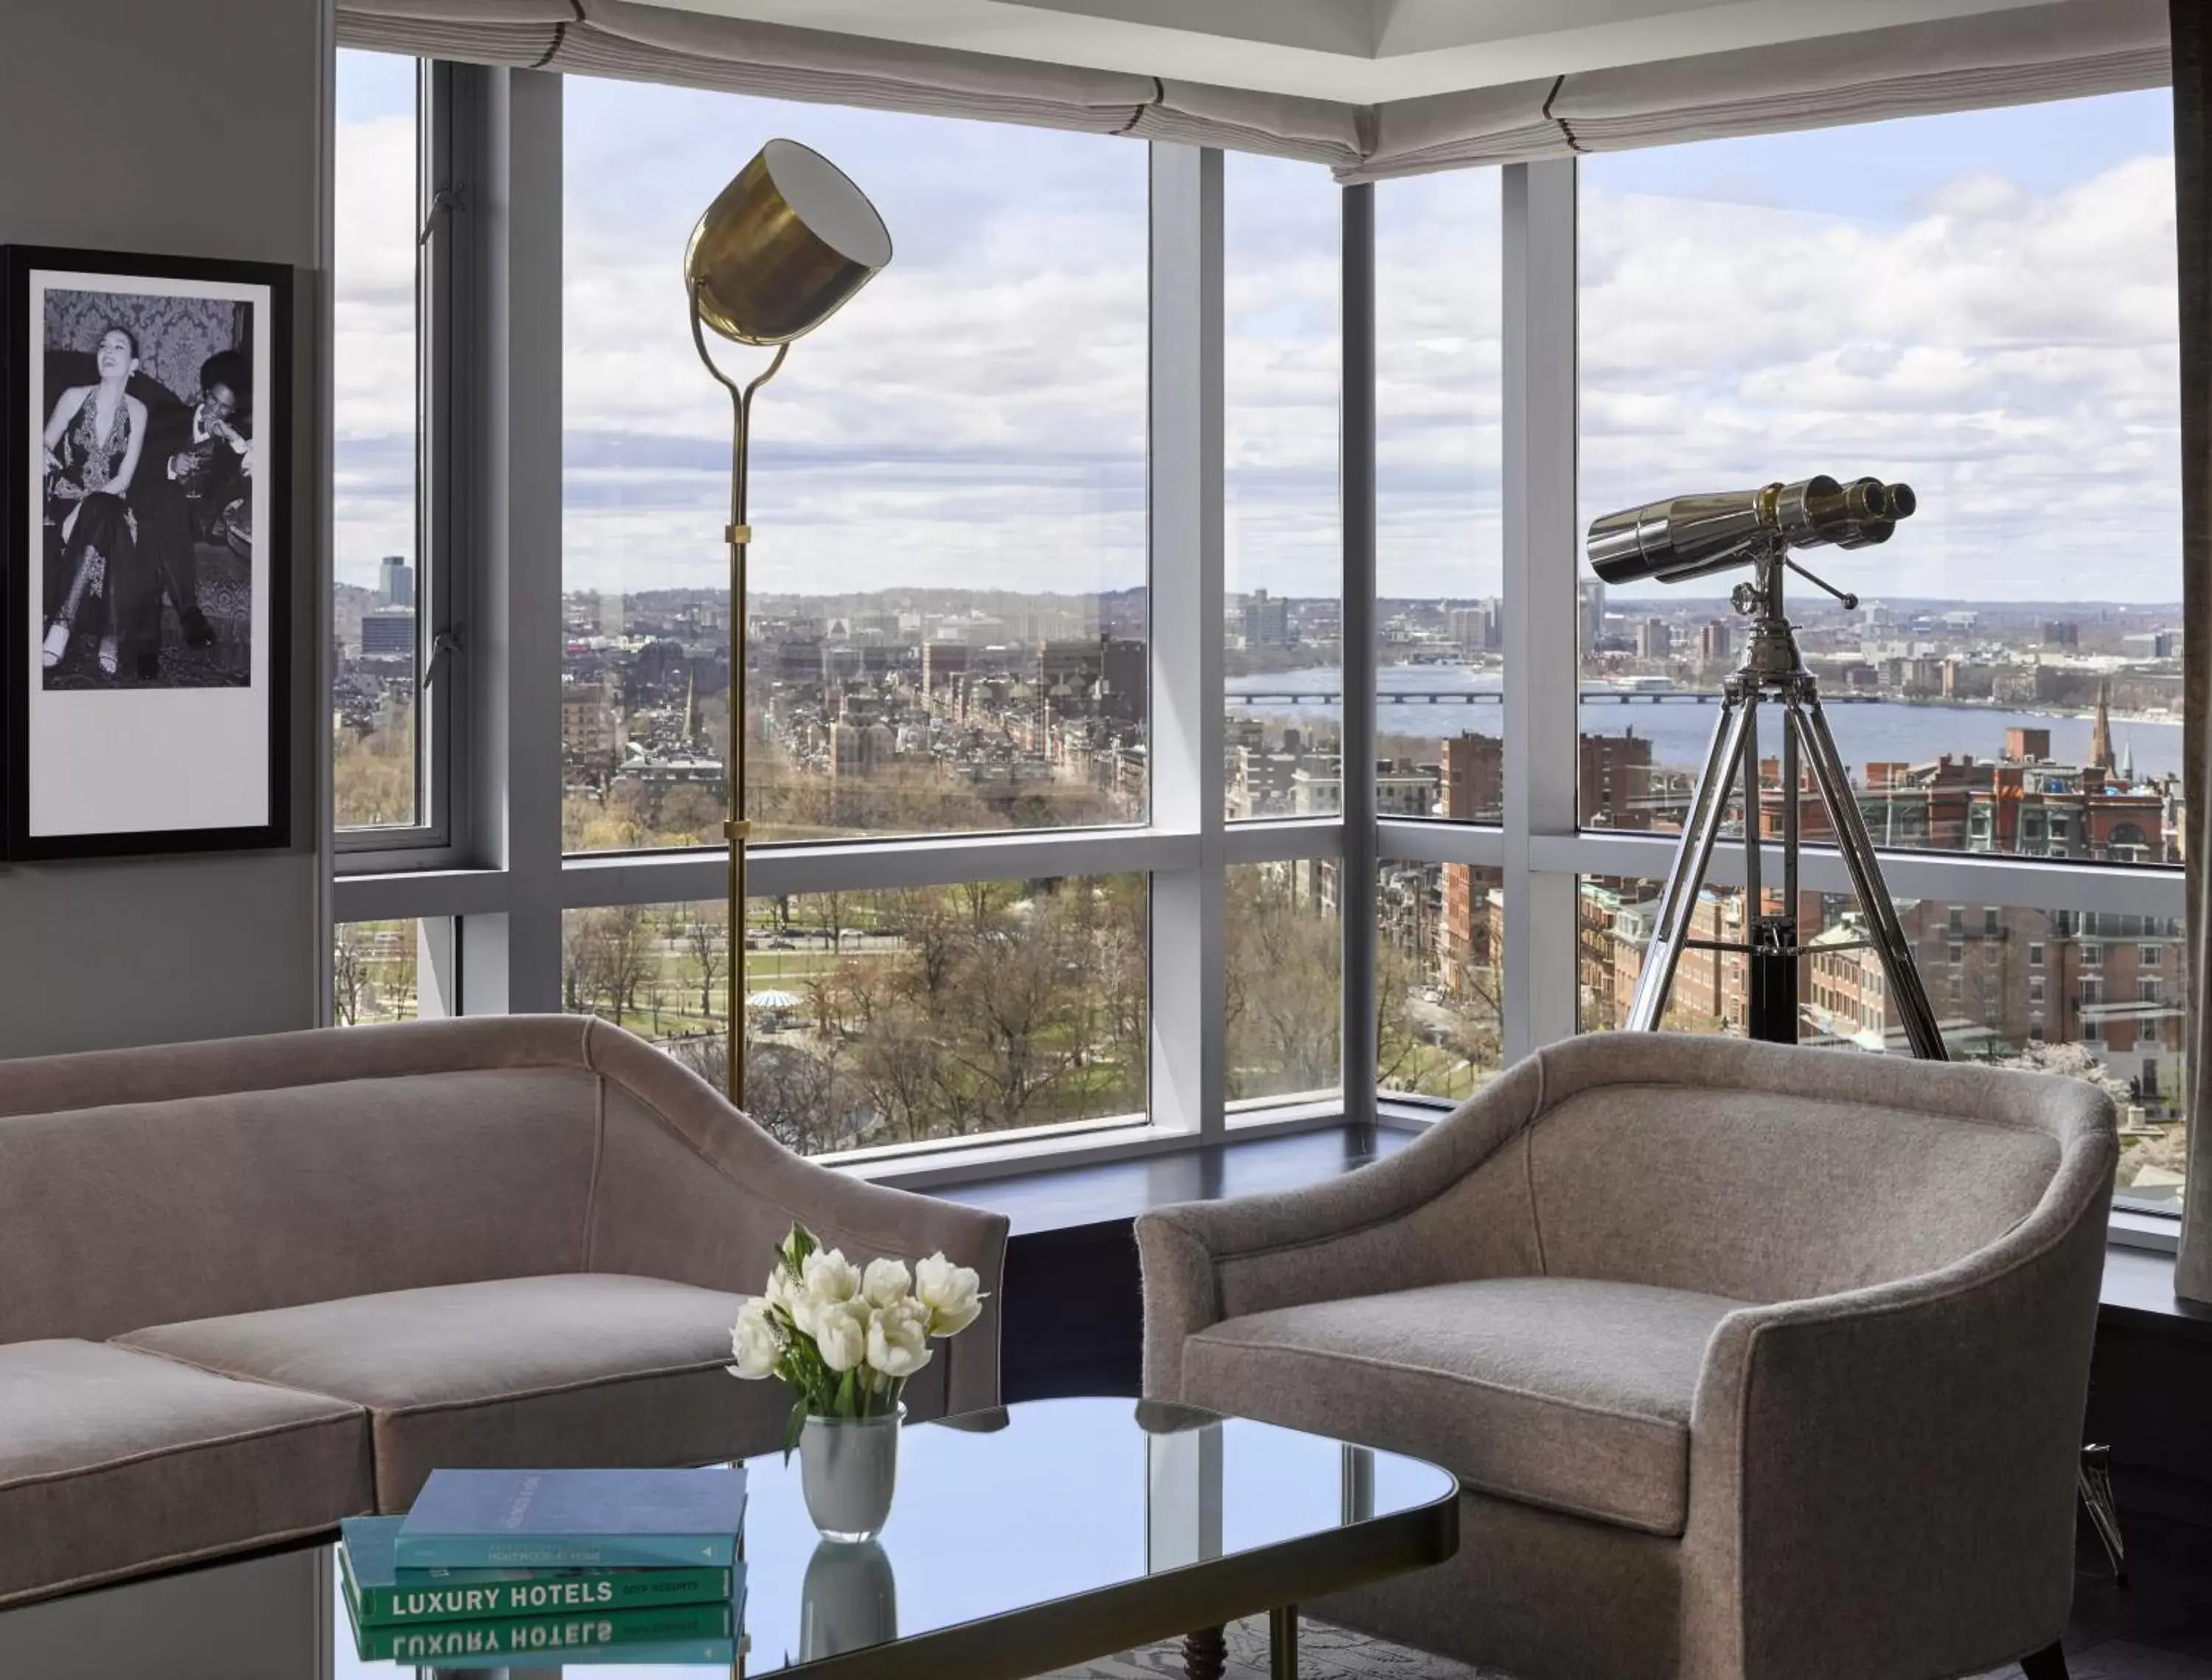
<point>127,730</point>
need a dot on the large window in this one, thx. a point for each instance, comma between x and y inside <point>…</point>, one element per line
<point>1981,305</point>
<point>1283,630</point>
<point>985,896</point>
<point>377,764</point>
<point>949,615</point>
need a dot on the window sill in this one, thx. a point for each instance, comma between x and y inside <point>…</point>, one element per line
<point>2150,1234</point>
<point>941,1165</point>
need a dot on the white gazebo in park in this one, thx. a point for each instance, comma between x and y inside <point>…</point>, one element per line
<point>773,1004</point>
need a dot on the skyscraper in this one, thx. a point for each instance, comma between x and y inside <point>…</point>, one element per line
<point>396,581</point>
<point>1590,613</point>
<point>1267,621</point>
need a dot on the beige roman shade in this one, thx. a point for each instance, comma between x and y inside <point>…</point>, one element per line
<point>2067,51</point>
<point>2063,51</point>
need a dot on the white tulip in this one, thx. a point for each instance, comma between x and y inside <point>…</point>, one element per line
<point>950,1293</point>
<point>788,1292</point>
<point>830,1280</point>
<point>885,1281</point>
<point>841,1334</point>
<point>898,1338</point>
<point>756,1341</point>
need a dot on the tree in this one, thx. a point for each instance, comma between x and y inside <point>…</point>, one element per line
<point>625,938</point>
<point>349,975</point>
<point>830,915</point>
<point>1282,1009</point>
<point>706,939</point>
<point>607,957</point>
<point>579,964</point>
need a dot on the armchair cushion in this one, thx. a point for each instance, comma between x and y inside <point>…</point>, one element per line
<point>1570,1393</point>
<point>583,1368</point>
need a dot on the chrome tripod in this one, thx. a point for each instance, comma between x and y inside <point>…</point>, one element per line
<point>1773,675</point>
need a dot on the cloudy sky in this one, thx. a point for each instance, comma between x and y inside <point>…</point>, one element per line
<point>1981,303</point>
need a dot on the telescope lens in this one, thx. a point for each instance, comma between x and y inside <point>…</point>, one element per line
<point>1690,536</point>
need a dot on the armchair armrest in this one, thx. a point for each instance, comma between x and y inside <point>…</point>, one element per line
<point>689,1188</point>
<point>1426,1215</point>
<point>1882,1481</point>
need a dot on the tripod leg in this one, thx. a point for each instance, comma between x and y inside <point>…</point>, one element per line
<point>1679,902</point>
<point>1857,847</point>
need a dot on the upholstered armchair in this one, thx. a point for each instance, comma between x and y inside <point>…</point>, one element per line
<point>1754,1363</point>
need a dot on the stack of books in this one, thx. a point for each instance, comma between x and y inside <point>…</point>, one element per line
<point>495,1567</point>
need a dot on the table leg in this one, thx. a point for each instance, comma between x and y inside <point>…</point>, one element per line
<point>1283,1643</point>
<point>1205,1655</point>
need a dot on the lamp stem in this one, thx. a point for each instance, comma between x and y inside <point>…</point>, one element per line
<point>736,830</point>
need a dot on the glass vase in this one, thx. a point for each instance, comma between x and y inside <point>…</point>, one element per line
<point>848,1467</point>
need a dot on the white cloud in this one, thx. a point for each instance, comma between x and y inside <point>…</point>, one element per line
<point>977,415</point>
<point>2010,354</point>
<point>373,395</point>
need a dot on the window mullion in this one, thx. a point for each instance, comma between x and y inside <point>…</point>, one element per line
<point>1184,475</point>
<point>1541,681</point>
<point>1356,774</point>
<point>512,961</point>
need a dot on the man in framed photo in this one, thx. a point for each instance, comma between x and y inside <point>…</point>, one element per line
<point>202,462</point>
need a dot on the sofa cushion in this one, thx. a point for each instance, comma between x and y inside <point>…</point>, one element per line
<point>576,1368</point>
<point>1565,1392</point>
<point>113,1463</point>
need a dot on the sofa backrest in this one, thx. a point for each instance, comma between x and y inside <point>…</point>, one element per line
<point>151,1186</point>
<point>1765,1174</point>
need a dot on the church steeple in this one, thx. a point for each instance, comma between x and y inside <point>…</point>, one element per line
<point>691,705</point>
<point>2100,735</point>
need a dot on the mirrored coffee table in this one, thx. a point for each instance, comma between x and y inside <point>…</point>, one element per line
<point>1020,1541</point>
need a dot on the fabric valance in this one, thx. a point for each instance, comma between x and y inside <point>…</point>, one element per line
<point>2059,51</point>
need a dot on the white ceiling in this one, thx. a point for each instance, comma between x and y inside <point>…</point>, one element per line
<point>1361,52</point>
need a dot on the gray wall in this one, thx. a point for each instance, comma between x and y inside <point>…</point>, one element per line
<point>193,127</point>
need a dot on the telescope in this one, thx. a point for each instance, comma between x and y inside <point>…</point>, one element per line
<point>1689,537</point>
<point>1693,535</point>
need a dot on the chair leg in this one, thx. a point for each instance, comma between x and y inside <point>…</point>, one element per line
<point>1206,1654</point>
<point>2048,1663</point>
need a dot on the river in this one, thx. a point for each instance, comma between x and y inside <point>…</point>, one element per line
<point>1680,733</point>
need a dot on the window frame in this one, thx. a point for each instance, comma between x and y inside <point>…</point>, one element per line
<point>437,839</point>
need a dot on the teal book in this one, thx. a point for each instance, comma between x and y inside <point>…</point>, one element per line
<point>574,1520</point>
<point>383,1597</point>
<point>677,1634</point>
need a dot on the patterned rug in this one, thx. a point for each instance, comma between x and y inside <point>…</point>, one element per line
<point>1336,1653</point>
<point>1324,1653</point>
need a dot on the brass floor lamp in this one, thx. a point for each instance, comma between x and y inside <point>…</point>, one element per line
<point>779,252</point>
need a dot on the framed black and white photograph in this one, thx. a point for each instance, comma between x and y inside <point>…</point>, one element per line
<point>147,568</point>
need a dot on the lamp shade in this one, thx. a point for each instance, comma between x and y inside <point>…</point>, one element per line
<point>783,247</point>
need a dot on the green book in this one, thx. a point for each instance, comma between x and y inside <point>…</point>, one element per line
<point>678,1634</point>
<point>384,1596</point>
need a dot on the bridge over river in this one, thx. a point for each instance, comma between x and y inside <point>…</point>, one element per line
<point>1590,696</point>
